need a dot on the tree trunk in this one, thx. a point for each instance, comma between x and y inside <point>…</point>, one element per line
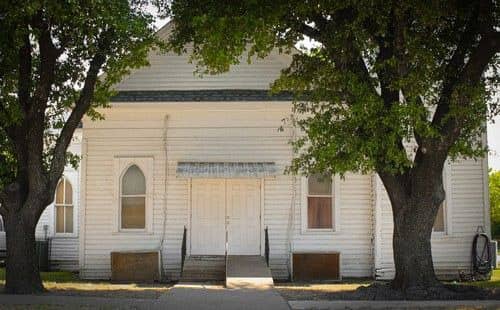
<point>412,249</point>
<point>415,203</point>
<point>22,272</point>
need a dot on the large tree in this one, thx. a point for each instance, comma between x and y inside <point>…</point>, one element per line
<point>52,54</point>
<point>394,87</point>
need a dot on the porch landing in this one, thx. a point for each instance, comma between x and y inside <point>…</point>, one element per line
<point>244,271</point>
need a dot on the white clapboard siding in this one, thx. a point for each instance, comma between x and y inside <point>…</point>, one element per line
<point>451,251</point>
<point>355,226</point>
<point>64,253</point>
<point>173,72</point>
<point>211,133</point>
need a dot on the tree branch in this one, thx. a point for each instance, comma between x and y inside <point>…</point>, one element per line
<point>34,122</point>
<point>3,210</point>
<point>81,106</point>
<point>25,78</point>
<point>310,32</point>
<point>470,76</point>
<point>395,185</point>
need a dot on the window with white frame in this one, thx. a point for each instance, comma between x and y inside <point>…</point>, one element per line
<point>133,199</point>
<point>320,202</point>
<point>64,207</point>
<point>1,225</point>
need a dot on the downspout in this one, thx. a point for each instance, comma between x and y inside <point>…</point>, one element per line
<point>291,215</point>
<point>164,226</point>
<point>82,205</point>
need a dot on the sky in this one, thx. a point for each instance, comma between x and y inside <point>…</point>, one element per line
<point>493,127</point>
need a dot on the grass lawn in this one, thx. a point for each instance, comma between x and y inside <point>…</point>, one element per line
<point>68,283</point>
<point>494,282</point>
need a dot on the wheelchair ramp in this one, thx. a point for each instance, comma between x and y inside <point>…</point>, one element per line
<point>245,271</point>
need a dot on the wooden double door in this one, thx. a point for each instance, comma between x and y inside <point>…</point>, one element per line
<point>225,213</point>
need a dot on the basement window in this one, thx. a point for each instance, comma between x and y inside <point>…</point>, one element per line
<point>64,207</point>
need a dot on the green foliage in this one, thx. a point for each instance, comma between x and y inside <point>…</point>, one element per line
<point>366,92</point>
<point>494,187</point>
<point>121,31</point>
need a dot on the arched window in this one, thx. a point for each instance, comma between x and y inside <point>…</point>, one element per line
<point>133,199</point>
<point>64,207</point>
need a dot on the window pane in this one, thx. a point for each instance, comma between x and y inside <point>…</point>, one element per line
<point>319,212</point>
<point>60,192</point>
<point>320,184</point>
<point>59,219</point>
<point>439,221</point>
<point>133,182</point>
<point>1,224</point>
<point>69,219</point>
<point>68,190</point>
<point>134,212</point>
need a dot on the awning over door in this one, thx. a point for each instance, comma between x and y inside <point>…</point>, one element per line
<point>226,169</point>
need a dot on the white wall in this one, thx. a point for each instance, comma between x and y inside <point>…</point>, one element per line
<point>353,236</point>
<point>196,132</point>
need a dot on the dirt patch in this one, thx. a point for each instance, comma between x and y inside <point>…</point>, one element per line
<point>382,291</point>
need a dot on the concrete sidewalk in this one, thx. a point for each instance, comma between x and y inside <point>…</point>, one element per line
<point>380,304</point>
<point>196,296</point>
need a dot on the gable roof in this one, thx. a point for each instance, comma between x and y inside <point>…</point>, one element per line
<point>170,77</point>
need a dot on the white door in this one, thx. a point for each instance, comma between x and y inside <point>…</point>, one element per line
<point>243,216</point>
<point>208,231</point>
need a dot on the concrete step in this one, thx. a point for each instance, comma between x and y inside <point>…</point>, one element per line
<point>248,271</point>
<point>204,268</point>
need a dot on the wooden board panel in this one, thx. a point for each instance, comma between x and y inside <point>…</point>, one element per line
<point>316,266</point>
<point>135,266</point>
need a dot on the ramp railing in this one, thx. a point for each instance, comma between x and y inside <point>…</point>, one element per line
<point>266,246</point>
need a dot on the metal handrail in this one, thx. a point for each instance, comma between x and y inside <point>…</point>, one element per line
<point>266,246</point>
<point>183,248</point>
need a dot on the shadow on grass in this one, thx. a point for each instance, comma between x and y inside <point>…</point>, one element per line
<point>68,284</point>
